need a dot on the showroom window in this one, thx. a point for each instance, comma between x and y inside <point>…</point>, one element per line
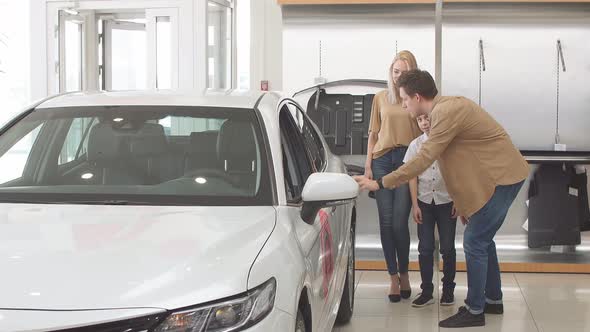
<point>124,53</point>
<point>243,22</point>
<point>164,50</point>
<point>220,46</point>
<point>14,62</point>
<point>113,49</point>
<point>139,50</point>
<point>71,30</point>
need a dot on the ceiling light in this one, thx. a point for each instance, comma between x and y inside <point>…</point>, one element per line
<point>87,176</point>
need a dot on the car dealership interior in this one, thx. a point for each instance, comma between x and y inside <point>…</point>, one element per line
<point>190,165</point>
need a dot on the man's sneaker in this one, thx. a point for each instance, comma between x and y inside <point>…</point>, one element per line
<point>494,309</point>
<point>422,300</point>
<point>447,298</point>
<point>463,319</point>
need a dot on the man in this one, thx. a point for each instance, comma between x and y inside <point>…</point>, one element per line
<point>483,171</point>
<point>433,208</point>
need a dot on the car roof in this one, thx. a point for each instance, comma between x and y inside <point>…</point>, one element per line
<point>211,98</point>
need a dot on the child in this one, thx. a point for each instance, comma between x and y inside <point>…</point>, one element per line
<point>432,205</point>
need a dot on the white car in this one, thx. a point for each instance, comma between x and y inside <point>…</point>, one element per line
<point>173,212</point>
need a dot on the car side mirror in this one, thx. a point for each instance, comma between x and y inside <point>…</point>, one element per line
<point>326,190</point>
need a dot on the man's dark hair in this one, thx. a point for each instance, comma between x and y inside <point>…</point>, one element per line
<point>418,81</point>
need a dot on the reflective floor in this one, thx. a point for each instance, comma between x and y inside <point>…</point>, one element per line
<point>532,302</point>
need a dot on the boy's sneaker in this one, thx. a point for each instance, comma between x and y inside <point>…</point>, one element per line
<point>447,298</point>
<point>422,300</point>
<point>494,309</point>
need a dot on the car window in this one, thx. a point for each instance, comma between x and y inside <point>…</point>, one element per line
<point>296,114</point>
<point>149,154</point>
<point>13,161</point>
<point>293,182</point>
<point>295,158</point>
<point>313,144</point>
<point>76,142</point>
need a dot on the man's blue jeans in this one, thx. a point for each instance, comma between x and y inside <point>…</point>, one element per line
<point>483,271</point>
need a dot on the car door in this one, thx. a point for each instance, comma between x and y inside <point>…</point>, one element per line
<point>320,241</point>
<point>341,217</point>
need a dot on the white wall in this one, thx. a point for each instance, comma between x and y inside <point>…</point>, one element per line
<point>266,44</point>
<point>14,55</point>
<point>357,41</point>
<point>519,86</point>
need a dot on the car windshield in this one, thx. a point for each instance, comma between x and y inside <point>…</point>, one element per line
<point>148,155</point>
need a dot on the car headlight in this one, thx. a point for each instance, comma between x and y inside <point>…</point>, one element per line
<point>229,316</point>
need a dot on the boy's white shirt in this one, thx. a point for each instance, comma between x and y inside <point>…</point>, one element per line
<point>431,185</point>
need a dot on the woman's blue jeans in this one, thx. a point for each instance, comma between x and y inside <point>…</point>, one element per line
<point>394,210</point>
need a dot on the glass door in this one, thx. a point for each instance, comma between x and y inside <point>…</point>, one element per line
<point>124,54</point>
<point>70,66</point>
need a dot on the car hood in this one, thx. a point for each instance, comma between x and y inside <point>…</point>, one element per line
<point>80,257</point>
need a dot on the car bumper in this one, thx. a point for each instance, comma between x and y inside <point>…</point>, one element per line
<point>277,320</point>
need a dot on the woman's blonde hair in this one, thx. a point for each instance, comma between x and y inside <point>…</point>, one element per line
<point>392,90</point>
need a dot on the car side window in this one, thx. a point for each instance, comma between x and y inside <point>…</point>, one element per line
<point>295,157</point>
<point>292,181</point>
<point>313,144</point>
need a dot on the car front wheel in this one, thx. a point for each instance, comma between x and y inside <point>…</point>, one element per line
<point>347,302</point>
<point>300,323</point>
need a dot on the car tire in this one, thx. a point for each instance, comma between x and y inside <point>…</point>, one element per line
<point>300,322</point>
<point>347,302</point>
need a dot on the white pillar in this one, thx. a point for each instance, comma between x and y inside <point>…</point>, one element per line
<point>266,51</point>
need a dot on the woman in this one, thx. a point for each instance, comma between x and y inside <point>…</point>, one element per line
<point>391,131</point>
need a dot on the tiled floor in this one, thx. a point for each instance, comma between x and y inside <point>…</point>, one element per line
<point>532,302</point>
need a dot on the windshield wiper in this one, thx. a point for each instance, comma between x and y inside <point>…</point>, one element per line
<point>99,202</point>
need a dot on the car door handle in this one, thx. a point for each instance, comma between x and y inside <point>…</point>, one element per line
<point>354,170</point>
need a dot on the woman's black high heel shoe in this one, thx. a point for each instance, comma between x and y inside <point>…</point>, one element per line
<point>395,298</point>
<point>405,294</point>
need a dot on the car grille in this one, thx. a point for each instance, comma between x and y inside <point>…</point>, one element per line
<point>140,324</point>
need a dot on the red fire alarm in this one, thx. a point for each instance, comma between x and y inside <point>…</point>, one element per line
<point>264,85</point>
